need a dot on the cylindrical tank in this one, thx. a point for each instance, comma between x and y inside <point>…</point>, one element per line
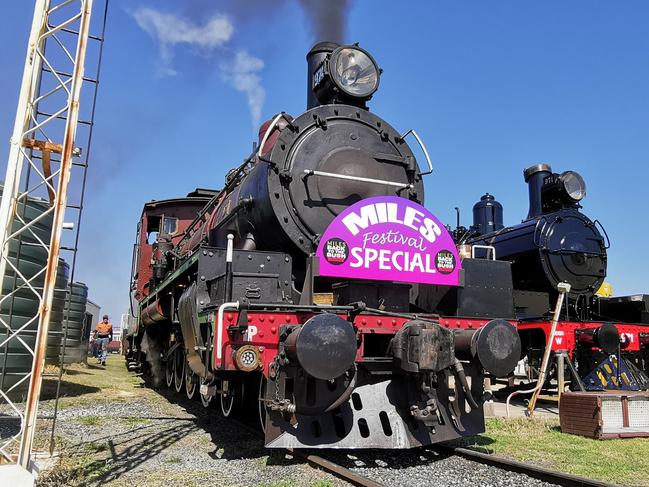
<point>18,310</point>
<point>74,315</point>
<point>487,215</point>
<point>55,334</point>
<point>534,177</point>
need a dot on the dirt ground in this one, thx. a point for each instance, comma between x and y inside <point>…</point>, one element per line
<point>114,431</point>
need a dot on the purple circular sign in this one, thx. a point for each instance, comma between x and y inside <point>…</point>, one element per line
<point>389,238</point>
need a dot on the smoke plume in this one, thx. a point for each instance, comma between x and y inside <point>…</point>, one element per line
<point>328,19</point>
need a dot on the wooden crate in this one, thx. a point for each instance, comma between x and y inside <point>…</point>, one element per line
<point>601,415</point>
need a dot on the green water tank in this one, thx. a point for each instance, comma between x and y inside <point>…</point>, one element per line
<point>19,311</point>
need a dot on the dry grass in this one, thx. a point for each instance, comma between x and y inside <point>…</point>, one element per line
<point>621,461</point>
<point>94,384</point>
<point>624,461</point>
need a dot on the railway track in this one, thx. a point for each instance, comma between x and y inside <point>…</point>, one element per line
<point>375,468</point>
<point>329,465</point>
<point>534,471</point>
<point>516,473</point>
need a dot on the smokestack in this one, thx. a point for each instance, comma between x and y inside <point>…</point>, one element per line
<point>314,58</point>
<point>534,176</point>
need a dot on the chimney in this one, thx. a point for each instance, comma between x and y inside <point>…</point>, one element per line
<point>534,177</point>
<point>314,58</point>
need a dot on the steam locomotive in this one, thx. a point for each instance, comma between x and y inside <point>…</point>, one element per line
<point>236,297</point>
<point>606,338</point>
<point>555,243</point>
<point>315,293</point>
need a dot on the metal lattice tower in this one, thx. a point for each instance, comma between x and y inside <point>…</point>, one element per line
<point>48,160</point>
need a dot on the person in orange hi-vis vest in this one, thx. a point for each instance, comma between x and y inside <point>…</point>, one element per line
<point>104,335</point>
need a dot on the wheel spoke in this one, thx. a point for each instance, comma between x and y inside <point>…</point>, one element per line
<point>170,369</point>
<point>262,404</point>
<point>227,399</point>
<point>179,369</point>
<point>205,400</point>
<point>190,382</point>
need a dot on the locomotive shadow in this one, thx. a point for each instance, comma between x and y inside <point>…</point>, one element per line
<point>381,459</point>
<point>68,389</point>
<point>126,452</point>
<point>229,440</point>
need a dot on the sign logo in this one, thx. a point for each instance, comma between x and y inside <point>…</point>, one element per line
<point>389,238</point>
<point>336,251</point>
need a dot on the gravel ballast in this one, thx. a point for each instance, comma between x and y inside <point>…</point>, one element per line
<point>426,467</point>
<point>121,433</point>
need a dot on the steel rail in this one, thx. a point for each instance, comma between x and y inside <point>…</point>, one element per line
<point>336,470</point>
<point>317,461</point>
<point>531,470</point>
<point>534,471</point>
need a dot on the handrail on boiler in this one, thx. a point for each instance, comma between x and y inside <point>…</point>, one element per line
<point>423,148</point>
<point>313,172</point>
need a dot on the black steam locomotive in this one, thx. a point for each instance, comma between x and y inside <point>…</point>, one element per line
<point>555,243</point>
<point>230,304</point>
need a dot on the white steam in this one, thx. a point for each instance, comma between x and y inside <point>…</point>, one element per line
<point>243,74</point>
<point>170,30</point>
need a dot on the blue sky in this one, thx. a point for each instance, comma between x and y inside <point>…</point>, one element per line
<point>491,86</point>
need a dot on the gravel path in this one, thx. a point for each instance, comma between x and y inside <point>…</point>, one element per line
<point>128,435</point>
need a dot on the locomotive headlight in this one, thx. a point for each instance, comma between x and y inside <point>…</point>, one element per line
<point>354,71</point>
<point>573,185</point>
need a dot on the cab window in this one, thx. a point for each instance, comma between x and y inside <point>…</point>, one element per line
<point>152,229</point>
<point>170,225</point>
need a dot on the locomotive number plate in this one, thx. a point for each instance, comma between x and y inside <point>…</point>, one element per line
<point>318,75</point>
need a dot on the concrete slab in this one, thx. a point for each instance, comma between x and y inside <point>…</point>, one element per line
<point>517,410</point>
<point>15,476</point>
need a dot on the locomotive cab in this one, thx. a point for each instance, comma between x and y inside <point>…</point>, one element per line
<point>164,220</point>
